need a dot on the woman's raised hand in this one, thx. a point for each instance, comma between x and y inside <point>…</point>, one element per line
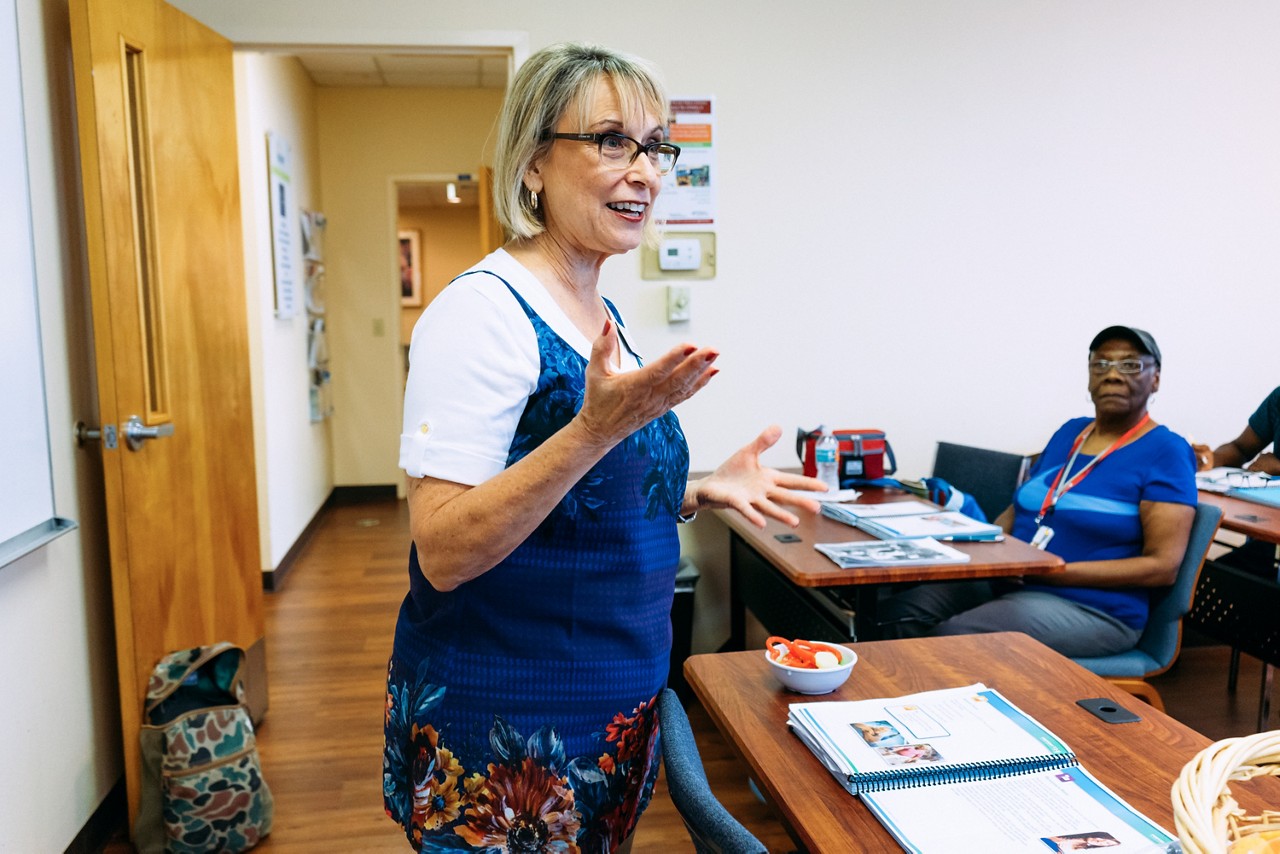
<point>754,490</point>
<point>618,403</point>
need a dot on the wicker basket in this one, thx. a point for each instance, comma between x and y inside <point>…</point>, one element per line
<point>1208,819</point>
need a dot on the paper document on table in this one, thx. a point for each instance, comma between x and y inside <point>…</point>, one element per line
<point>923,551</point>
<point>835,495</point>
<point>849,513</point>
<point>940,524</point>
<point>1057,810</point>
<point>901,520</point>
<point>963,769</point>
<point>946,735</point>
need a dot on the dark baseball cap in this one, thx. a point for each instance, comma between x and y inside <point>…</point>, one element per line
<point>1140,337</point>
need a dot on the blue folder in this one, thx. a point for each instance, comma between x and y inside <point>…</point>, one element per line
<point>1269,495</point>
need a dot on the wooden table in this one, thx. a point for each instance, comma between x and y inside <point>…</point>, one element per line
<point>1138,761</point>
<point>769,576</point>
<point>1260,521</point>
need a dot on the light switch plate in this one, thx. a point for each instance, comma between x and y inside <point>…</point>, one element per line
<point>678,300</point>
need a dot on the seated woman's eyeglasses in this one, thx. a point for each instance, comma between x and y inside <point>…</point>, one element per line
<point>1124,366</point>
<point>619,152</point>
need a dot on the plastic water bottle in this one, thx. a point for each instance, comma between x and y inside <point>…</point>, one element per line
<point>827,455</point>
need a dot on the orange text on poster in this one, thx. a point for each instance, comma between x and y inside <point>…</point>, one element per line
<point>690,133</point>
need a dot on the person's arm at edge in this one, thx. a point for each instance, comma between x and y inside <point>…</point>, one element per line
<point>1005,520</point>
<point>1240,450</point>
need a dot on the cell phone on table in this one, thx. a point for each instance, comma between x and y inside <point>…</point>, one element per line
<point>786,538</point>
<point>1108,710</point>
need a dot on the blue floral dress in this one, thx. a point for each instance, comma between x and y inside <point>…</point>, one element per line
<point>520,708</point>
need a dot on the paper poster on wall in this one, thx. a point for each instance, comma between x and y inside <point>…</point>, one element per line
<point>688,193</point>
<point>284,218</point>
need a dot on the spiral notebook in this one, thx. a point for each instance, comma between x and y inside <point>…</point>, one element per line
<point>961,769</point>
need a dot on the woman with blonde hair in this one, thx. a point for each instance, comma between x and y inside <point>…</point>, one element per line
<point>547,473</point>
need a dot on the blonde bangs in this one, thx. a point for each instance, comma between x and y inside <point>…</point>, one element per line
<point>552,83</point>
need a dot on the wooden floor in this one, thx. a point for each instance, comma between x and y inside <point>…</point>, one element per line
<point>328,637</point>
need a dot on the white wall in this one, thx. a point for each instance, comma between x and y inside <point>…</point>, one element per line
<point>60,743</point>
<point>927,209</point>
<point>294,455</point>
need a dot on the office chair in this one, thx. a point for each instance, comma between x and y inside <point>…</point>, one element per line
<point>1237,607</point>
<point>989,476</point>
<point>711,827</point>
<point>1161,640</point>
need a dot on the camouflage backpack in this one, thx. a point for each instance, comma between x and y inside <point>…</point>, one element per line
<point>202,787</point>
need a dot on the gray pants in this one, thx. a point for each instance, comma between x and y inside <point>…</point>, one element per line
<point>970,607</point>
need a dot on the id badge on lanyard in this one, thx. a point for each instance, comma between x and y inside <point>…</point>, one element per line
<point>1061,484</point>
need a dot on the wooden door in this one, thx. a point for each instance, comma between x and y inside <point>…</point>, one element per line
<point>156,110</point>
<point>491,235</point>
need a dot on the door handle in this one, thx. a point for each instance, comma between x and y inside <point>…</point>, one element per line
<point>135,432</point>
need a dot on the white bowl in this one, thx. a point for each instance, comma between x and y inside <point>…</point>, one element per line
<point>804,680</point>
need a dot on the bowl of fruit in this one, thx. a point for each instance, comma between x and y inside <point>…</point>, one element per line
<point>809,667</point>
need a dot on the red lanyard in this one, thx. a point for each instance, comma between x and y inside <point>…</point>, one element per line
<point>1051,497</point>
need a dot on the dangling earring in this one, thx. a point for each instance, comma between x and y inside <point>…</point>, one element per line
<point>533,200</point>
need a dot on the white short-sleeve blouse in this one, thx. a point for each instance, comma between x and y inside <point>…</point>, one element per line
<point>473,363</point>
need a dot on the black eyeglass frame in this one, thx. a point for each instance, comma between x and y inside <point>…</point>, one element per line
<point>650,149</point>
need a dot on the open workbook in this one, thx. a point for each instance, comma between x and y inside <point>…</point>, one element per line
<point>963,769</point>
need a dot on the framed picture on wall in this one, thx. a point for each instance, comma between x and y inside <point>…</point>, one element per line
<point>410,268</point>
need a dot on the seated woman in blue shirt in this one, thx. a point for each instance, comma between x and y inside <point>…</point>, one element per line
<point>1113,495</point>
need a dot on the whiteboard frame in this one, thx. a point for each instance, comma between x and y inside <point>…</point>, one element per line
<point>31,349</point>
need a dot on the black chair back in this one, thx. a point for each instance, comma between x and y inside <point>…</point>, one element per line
<point>989,476</point>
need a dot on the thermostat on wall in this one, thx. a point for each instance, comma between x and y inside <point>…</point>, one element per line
<point>680,253</point>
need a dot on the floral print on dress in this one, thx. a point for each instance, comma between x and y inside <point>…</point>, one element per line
<point>529,797</point>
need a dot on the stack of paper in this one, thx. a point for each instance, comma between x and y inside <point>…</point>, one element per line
<point>851,513</point>
<point>905,520</point>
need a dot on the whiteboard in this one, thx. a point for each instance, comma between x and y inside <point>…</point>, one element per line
<point>27,518</point>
